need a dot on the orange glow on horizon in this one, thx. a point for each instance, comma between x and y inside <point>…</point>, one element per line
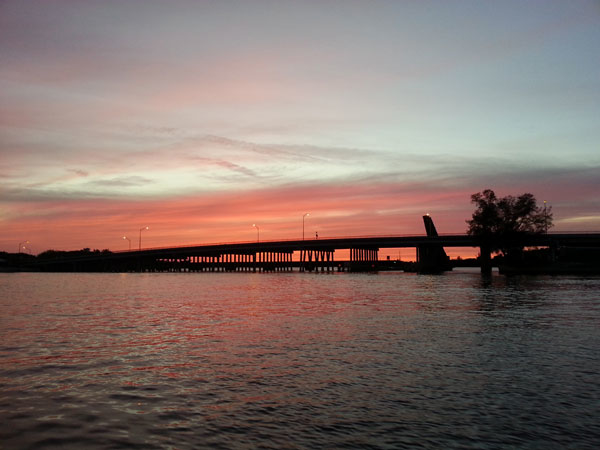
<point>336,211</point>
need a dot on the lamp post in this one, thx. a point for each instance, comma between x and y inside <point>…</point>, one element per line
<point>125,237</point>
<point>140,243</point>
<point>307,214</point>
<point>21,244</point>
<point>257,232</point>
<point>545,219</point>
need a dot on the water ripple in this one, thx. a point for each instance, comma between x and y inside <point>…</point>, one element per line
<point>295,361</point>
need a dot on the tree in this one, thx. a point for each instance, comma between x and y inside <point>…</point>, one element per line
<point>500,221</point>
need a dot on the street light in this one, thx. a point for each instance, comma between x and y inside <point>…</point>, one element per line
<point>125,237</point>
<point>140,243</point>
<point>20,245</point>
<point>545,219</point>
<point>257,232</point>
<point>307,214</point>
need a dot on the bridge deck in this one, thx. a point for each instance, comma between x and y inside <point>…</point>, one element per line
<point>322,245</point>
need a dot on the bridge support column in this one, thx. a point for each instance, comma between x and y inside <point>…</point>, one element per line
<point>485,259</point>
<point>363,259</point>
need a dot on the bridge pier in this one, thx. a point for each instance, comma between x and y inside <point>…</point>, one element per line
<point>431,258</point>
<point>275,261</point>
<point>363,259</point>
<point>323,260</point>
<point>485,260</point>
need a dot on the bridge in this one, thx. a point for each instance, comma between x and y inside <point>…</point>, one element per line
<point>301,255</point>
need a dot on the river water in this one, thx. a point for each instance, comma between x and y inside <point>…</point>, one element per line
<point>290,360</point>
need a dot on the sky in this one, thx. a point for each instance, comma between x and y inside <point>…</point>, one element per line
<point>199,119</point>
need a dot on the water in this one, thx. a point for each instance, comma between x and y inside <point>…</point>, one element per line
<point>241,360</point>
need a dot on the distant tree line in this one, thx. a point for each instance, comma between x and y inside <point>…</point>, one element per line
<point>51,254</point>
<point>8,260</point>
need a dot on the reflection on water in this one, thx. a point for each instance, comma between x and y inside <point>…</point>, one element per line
<point>243,360</point>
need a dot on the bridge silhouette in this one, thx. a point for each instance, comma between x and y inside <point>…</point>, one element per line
<point>302,255</point>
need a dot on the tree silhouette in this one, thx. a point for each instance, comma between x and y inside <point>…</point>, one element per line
<point>501,221</point>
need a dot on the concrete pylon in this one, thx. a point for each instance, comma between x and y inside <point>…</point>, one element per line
<point>431,258</point>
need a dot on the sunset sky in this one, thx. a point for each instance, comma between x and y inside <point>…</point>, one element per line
<point>200,118</point>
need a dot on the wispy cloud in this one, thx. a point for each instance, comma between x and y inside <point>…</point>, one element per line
<point>120,182</point>
<point>225,164</point>
<point>79,172</point>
